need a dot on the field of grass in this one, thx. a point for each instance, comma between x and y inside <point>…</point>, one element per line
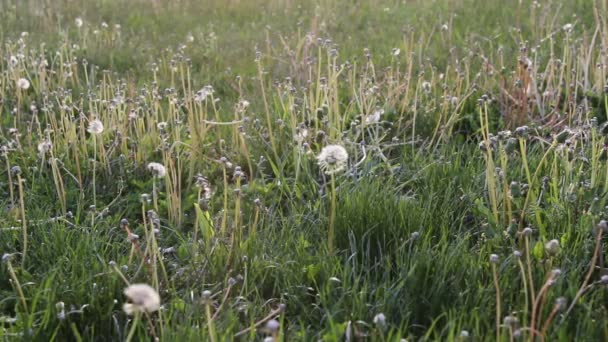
<point>294,170</point>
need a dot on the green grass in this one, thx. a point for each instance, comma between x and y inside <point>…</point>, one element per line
<point>474,129</point>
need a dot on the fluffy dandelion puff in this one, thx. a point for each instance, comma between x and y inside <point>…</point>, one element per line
<point>44,147</point>
<point>78,22</point>
<point>95,127</point>
<point>157,169</point>
<point>332,159</point>
<point>143,299</point>
<point>23,83</point>
<point>568,28</point>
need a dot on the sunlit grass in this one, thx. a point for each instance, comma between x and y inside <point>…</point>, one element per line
<point>299,170</point>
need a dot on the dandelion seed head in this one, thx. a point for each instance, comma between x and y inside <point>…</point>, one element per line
<point>143,298</point>
<point>426,86</point>
<point>380,320</point>
<point>332,159</point>
<point>95,127</point>
<point>44,147</point>
<point>157,169</point>
<point>78,21</point>
<point>23,83</point>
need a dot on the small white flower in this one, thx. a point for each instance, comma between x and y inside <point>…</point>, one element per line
<point>157,169</point>
<point>95,127</point>
<point>23,83</point>
<point>568,28</point>
<point>78,21</point>
<point>332,159</point>
<point>143,299</point>
<point>395,52</point>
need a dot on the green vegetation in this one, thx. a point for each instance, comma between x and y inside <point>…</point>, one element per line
<point>198,147</point>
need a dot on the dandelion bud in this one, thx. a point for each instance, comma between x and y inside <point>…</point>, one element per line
<point>552,247</point>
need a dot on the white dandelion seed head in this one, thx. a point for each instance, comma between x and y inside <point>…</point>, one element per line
<point>568,28</point>
<point>332,159</point>
<point>95,127</point>
<point>143,298</point>
<point>203,94</point>
<point>78,21</point>
<point>44,147</point>
<point>23,83</point>
<point>395,52</point>
<point>380,320</point>
<point>374,117</point>
<point>426,86</point>
<point>157,169</point>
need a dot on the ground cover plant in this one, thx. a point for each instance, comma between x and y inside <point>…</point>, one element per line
<point>303,170</point>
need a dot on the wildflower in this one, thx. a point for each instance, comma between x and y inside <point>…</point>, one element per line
<point>567,28</point>
<point>143,299</point>
<point>23,83</point>
<point>157,169</point>
<point>95,127</point>
<point>395,52</point>
<point>494,258</point>
<point>332,159</point>
<point>78,21</point>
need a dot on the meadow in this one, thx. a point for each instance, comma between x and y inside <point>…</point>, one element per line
<point>293,170</point>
